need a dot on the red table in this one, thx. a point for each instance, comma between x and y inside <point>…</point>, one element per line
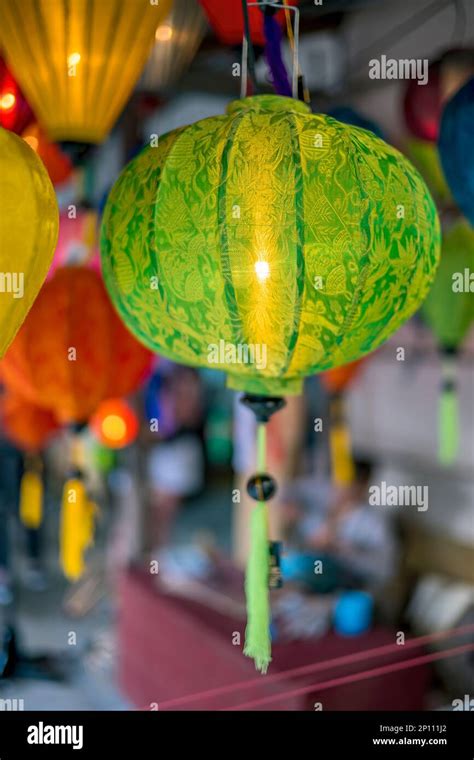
<point>171,647</point>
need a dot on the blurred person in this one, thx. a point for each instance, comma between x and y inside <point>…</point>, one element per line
<point>176,463</point>
<point>335,542</point>
<point>340,525</point>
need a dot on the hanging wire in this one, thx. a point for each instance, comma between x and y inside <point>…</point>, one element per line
<point>249,60</point>
<point>306,96</point>
<point>248,54</point>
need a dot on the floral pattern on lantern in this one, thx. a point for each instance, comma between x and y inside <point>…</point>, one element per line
<point>269,227</point>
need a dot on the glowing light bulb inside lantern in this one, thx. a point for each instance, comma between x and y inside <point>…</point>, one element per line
<point>73,59</point>
<point>114,428</point>
<point>164,33</point>
<point>262,270</point>
<point>7,101</point>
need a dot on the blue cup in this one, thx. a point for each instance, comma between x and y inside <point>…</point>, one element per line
<point>353,613</point>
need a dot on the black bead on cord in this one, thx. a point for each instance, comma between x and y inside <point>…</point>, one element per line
<point>261,486</point>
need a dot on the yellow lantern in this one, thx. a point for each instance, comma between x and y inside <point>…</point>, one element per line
<point>29,222</point>
<point>78,60</point>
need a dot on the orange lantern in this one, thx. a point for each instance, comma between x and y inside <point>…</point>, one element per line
<point>228,21</point>
<point>115,424</point>
<point>73,351</point>
<point>335,381</point>
<point>57,164</point>
<point>26,425</point>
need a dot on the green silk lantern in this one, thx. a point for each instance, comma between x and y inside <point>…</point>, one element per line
<point>270,243</point>
<point>449,311</point>
<point>274,227</point>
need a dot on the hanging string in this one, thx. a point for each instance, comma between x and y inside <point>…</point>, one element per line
<point>77,513</point>
<point>261,447</point>
<point>448,411</point>
<point>304,670</point>
<point>249,47</point>
<point>342,463</point>
<point>257,634</point>
<point>31,493</point>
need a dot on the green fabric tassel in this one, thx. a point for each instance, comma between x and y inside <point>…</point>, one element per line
<point>257,634</point>
<point>448,422</point>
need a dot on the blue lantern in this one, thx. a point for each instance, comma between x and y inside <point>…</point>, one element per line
<point>456,148</point>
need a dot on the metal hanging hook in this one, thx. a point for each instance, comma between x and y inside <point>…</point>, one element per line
<point>246,42</point>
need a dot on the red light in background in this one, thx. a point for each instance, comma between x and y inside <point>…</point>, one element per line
<point>7,101</point>
<point>115,424</point>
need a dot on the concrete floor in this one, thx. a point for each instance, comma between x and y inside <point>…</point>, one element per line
<point>82,652</point>
<point>83,647</point>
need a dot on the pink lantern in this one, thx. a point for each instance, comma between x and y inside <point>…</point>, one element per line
<point>423,104</point>
<point>15,113</point>
<point>77,241</point>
